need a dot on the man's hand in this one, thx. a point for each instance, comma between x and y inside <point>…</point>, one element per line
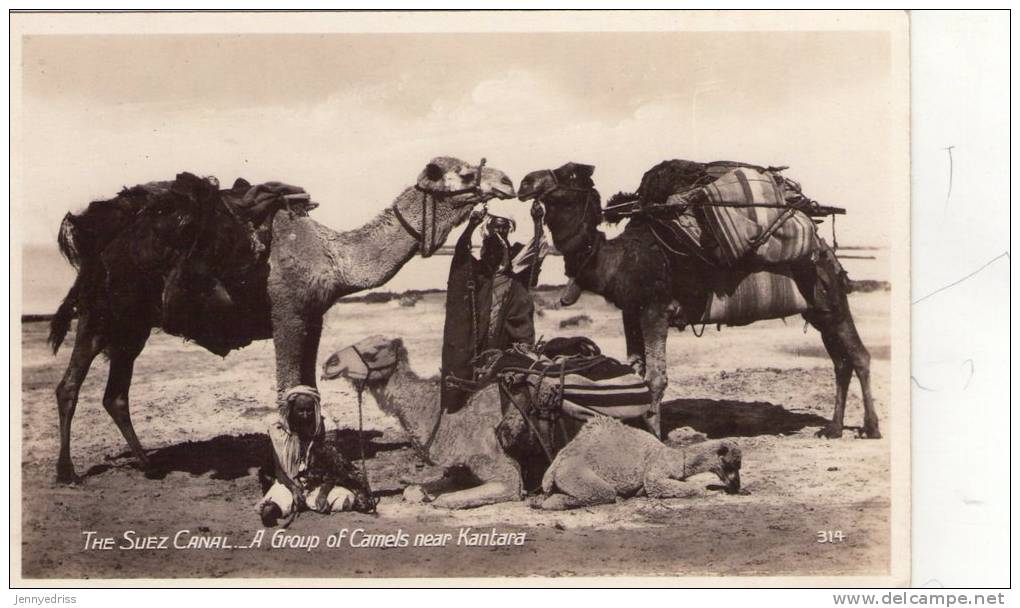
<point>537,211</point>
<point>299,499</point>
<point>477,215</point>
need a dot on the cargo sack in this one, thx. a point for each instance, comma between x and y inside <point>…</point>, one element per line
<point>580,386</point>
<point>215,294</point>
<point>771,294</point>
<point>757,234</point>
<point>616,392</point>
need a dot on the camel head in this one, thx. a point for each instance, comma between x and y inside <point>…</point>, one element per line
<point>462,184</point>
<point>372,360</point>
<point>723,459</point>
<point>572,205</point>
<point>451,187</point>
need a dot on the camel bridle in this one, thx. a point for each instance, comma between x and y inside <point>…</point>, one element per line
<point>426,235</point>
<point>359,386</point>
<point>578,240</point>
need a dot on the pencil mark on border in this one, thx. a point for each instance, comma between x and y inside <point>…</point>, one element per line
<point>949,192</point>
<point>1004,254</point>
<point>971,375</point>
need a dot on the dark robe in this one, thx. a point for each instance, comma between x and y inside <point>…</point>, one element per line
<point>470,289</point>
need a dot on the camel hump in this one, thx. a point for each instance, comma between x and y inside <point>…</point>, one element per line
<point>240,186</point>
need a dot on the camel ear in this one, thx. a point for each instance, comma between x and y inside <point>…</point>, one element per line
<point>433,172</point>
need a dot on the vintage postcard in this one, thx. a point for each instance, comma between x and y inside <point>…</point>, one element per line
<point>460,298</point>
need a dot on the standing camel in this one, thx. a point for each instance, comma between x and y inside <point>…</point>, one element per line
<point>632,272</point>
<point>123,249</point>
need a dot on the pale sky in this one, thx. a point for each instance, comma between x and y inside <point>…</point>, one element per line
<point>354,117</point>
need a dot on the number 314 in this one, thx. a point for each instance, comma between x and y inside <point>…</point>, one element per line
<point>830,536</point>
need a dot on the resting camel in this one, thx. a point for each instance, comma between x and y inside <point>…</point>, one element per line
<point>123,247</point>
<point>467,442</point>
<point>633,273</point>
<point>608,459</point>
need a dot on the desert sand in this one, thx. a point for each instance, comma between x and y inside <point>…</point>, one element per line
<point>769,386</point>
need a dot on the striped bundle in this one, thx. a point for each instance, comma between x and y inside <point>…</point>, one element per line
<point>769,234</point>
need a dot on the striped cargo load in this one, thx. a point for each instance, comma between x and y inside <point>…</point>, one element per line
<point>757,296</point>
<point>614,391</point>
<point>580,386</point>
<point>737,228</point>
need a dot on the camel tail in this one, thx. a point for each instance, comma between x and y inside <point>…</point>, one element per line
<point>61,321</point>
<point>67,242</point>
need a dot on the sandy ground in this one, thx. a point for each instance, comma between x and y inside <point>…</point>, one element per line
<point>769,386</point>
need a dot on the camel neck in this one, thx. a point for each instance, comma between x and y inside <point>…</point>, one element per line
<point>694,461</point>
<point>582,256</point>
<point>369,256</point>
<point>414,401</point>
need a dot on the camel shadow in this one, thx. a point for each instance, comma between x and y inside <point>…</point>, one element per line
<point>723,418</point>
<point>233,456</point>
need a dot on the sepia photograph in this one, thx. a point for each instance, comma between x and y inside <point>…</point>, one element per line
<point>463,298</point>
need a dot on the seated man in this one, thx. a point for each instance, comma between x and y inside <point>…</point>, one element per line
<point>488,304</point>
<point>310,473</point>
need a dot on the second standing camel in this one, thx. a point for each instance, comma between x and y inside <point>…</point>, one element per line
<point>633,272</point>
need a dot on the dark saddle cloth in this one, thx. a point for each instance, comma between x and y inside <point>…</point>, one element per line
<point>215,294</point>
<point>570,376</point>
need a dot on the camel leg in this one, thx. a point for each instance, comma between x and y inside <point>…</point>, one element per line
<point>635,341</point>
<point>849,356</point>
<point>501,482</point>
<point>87,344</point>
<point>654,328</point>
<point>115,400</point>
<point>488,493</point>
<point>578,481</point>
<point>426,491</point>
<point>560,502</point>
<point>296,342</point>
<point>859,358</point>
<point>833,319</point>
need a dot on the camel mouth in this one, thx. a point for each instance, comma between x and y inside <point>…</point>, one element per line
<point>534,186</point>
<point>504,190</point>
<point>531,193</point>
<point>732,482</point>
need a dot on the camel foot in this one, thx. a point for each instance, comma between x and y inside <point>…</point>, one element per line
<point>830,431</point>
<point>416,495</point>
<point>143,463</point>
<point>67,476</point>
<point>559,502</point>
<point>871,432</point>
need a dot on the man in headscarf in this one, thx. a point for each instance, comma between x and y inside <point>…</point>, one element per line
<point>488,303</point>
<point>310,473</point>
